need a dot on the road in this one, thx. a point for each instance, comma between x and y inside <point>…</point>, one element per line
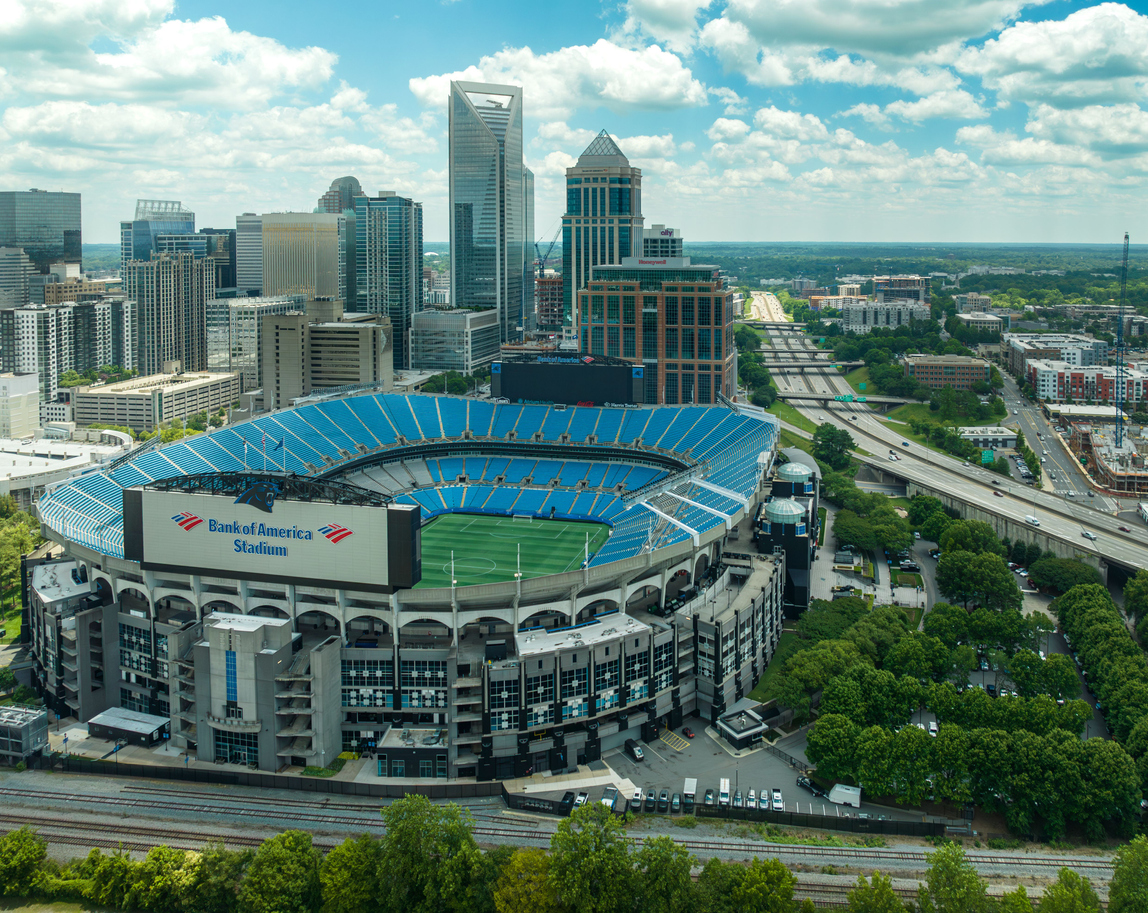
<point>1058,515</point>
<point>765,306</point>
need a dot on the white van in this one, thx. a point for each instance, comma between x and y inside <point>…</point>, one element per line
<point>1032,521</point>
<point>723,793</point>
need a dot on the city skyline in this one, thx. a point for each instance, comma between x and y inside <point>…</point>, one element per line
<point>844,120</point>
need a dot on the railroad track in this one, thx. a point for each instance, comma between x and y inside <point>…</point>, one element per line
<point>861,856</point>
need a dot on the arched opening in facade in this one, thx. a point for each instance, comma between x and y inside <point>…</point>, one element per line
<point>547,618</point>
<point>270,611</point>
<point>645,597</point>
<point>133,600</point>
<point>175,610</point>
<point>369,632</point>
<point>598,607</point>
<point>315,625</point>
<point>223,607</point>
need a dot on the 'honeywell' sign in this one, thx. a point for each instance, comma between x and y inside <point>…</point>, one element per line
<point>651,262</point>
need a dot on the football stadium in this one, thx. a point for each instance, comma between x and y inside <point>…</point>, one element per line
<point>458,587</point>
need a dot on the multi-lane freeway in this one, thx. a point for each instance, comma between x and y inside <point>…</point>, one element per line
<point>1059,517</point>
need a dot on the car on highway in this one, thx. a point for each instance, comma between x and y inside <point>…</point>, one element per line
<point>1124,529</point>
<point>852,418</point>
<point>904,443</point>
<point>1091,537</point>
<point>688,733</point>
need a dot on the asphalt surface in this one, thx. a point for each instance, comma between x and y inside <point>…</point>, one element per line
<point>941,472</point>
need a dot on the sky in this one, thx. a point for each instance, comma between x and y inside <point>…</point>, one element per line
<point>753,120</point>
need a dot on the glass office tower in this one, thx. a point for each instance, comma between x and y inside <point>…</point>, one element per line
<point>488,207</point>
<point>139,237</point>
<point>45,223</point>
<point>389,271</point>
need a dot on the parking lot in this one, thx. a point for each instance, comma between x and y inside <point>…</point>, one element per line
<point>671,759</point>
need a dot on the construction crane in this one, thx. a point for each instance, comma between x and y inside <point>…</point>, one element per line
<point>1120,347</point>
<point>541,261</point>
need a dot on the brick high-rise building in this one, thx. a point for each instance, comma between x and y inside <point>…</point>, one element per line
<point>672,317</point>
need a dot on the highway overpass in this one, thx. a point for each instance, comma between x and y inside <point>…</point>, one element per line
<point>828,399</point>
<point>812,364</point>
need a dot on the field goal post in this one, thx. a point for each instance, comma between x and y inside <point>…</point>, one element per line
<point>522,518</point>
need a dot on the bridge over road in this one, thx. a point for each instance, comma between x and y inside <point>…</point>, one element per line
<point>830,399</point>
<point>812,364</point>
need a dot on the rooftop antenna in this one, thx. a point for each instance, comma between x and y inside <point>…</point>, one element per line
<point>1120,348</point>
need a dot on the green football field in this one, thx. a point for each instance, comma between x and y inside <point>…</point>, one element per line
<point>486,548</point>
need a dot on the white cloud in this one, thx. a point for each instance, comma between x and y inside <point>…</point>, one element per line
<point>1097,54</point>
<point>734,103</point>
<point>893,28</point>
<point>673,22</point>
<point>579,77</point>
<point>1112,130</point>
<point>1005,149</point>
<point>726,129</point>
<point>54,26</point>
<point>557,133</point>
<point>870,113</point>
<point>955,104</point>
<point>790,124</point>
<point>739,52</point>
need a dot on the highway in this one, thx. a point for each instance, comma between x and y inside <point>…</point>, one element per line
<point>1059,516</point>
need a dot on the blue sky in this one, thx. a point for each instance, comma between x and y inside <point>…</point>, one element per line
<point>759,120</point>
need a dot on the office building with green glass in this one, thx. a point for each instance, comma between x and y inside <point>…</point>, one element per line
<point>45,223</point>
<point>389,264</point>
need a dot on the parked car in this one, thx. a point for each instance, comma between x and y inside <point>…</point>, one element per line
<point>751,799</point>
<point>778,805</point>
<point>609,796</point>
<point>581,800</point>
<point>634,750</point>
<point>688,733</point>
<point>651,800</point>
<point>933,728</point>
<point>636,800</point>
<point>737,800</point>
<point>805,783</point>
<point>709,799</point>
<point>664,801</point>
<point>676,804</point>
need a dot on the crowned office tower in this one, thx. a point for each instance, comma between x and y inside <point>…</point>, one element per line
<point>603,221</point>
<point>389,271</point>
<point>140,237</point>
<point>490,201</point>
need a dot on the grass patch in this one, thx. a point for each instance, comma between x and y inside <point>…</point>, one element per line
<point>920,412</point>
<point>10,622</point>
<point>329,771</point>
<point>787,413</point>
<point>821,512</point>
<point>788,439</point>
<point>903,579</point>
<point>787,645</point>
<point>686,821</point>
<point>485,547</point>
<point>859,376</point>
<point>777,834</point>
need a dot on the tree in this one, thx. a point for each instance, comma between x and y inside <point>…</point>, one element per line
<point>524,884</point>
<point>590,861</point>
<point>1015,901</point>
<point>163,881</point>
<point>1070,893</point>
<point>1128,889</point>
<point>664,884</point>
<point>875,896</point>
<point>111,878</point>
<point>1061,574</point>
<point>974,536</point>
<point>1019,552</point>
<point>218,876</point>
<point>716,884</point>
<point>832,746</point>
<point>283,877</point>
<point>832,445</point>
<point>428,859</point>
<point>1136,595</point>
<point>952,884</point>
<point>766,886</point>
<point>21,854</point>
<point>7,679</point>
<point>349,876</point>
<point>1059,679</point>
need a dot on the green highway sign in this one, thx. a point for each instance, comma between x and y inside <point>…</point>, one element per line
<point>987,456</point>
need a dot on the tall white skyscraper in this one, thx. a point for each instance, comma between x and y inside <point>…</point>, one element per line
<point>249,252</point>
<point>490,197</point>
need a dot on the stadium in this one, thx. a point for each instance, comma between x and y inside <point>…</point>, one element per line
<point>461,588</point>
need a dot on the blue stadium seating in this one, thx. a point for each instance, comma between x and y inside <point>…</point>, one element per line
<point>87,509</point>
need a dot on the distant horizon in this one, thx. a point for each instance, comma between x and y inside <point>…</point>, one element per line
<point>688,243</point>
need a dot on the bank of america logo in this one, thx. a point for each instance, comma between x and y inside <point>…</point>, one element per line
<point>335,532</point>
<point>187,520</point>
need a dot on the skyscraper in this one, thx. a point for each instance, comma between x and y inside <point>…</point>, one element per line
<point>529,309</point>
<point>171,292</point>
<point>16,271</point>
<point>45,223</point>
<point>488,202</point>
<point>340,200</point>
<point>603,221</point>
<point>249,252</point>
<point>303,254</point>
<point>389,248</point>
<point>138,238</point>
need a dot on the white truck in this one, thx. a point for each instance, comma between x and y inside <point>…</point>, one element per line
<point>723,793</point>
<point>846,795</point>
<point>689,794</point>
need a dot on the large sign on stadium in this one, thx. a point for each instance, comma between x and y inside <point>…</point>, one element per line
<point>259,537</point>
